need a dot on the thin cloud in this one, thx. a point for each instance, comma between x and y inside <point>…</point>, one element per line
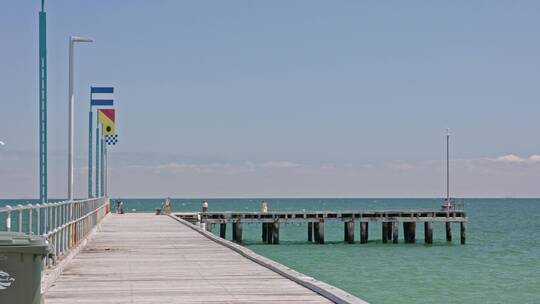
<point>512,158</point>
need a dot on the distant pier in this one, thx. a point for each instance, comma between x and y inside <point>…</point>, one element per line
<point>390,220</point>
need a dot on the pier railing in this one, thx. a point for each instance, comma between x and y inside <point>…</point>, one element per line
<point>64,224</point>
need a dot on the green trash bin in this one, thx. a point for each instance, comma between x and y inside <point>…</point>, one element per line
<point>20,267</point>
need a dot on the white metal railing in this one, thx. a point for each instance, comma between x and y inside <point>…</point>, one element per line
<point>63,224</point>
<point>453,204</point>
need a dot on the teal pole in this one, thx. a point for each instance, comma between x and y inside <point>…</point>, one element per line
<point>90,130</point>
<point>102,166</point>
<point>43,104</point>
<point>97,158</point>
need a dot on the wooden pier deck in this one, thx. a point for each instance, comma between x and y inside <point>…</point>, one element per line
<point>144,258</point>
<point>390,221</point>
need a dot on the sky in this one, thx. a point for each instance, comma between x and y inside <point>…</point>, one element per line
<point>281,98</point>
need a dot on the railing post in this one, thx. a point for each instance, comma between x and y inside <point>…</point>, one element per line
<point>30,230</point>
<point>20,217</point>
<point>38,219</point>
<point>8,219</point>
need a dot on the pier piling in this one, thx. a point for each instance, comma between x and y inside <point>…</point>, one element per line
<point>320,232</point>
<point>275,233</point>
<point>310,232</point>
<point>315,232</point>
<point>269,233</point>
<point>364,232</point>
<point>463,226</point>
<point>409,229</point>
<point>223,230</point>
<point>264,227</point>
<point>448,231</point>
<point>349,232</point>
<point>395,232</point>
<point>385,232</point>
<point>428,232</point>
<point>239,232</point>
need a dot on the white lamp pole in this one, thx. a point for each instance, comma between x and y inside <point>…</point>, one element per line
<point>72,40</point>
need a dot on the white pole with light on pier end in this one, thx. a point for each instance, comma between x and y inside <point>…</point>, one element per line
<point>72,40</point>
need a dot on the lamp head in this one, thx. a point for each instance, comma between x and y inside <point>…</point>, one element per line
<point>79,39</point>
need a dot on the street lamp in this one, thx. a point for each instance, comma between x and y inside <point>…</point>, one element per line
<point>72,40</point>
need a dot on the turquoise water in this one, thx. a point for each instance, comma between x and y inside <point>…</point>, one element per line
<point>499,264</point>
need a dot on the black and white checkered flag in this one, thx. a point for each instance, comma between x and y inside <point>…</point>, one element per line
<point>111,139</point>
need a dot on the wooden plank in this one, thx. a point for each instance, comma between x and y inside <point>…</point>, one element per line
<point>144,258</point>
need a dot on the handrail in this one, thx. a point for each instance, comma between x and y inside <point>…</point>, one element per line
<point>64,224</point>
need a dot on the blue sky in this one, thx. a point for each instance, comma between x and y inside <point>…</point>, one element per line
<point>282,98</point>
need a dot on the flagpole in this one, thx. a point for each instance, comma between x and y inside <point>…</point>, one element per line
<point>97,157</point>
<point>90,130</point>
<point>102,166</point>
<point>106,172</point>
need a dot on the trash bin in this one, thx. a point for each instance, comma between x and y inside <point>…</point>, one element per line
<point>20,267</point>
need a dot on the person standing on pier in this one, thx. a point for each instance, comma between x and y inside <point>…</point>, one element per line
<point>167,206</point>
<point>205,206</point>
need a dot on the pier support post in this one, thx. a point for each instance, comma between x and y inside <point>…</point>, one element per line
<point>389,230</point>
<point>234,237</point>
<point>269,233</point>
<point>238,232</point>
<point>413,232</point>
<point>349,232</point>
<point>264,233</point>
<point>316,232</point>
<point>448,231</point>
<point>395,232</point>
<point>409,229</point>
<point>310,232</point>
<point>385,228</point>
<point>364,232</point>
<point>463,226</point>
<point>428,232</point>
<point>223,230</point>
<point>275,232</point>
<point>320,232</point>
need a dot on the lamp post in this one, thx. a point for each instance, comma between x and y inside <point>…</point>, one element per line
<point>72,40</point>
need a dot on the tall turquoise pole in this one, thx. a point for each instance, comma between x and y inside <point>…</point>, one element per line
<point>43,104</point>
<point>90,131</point>
<point>97,159</point>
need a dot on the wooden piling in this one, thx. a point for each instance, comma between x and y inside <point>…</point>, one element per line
<point>463,226</point>
<point>264,227</point>
<point>238,230</point>
<point>413,232</point>
<point>349,230</point>
<point>364,232</point>
<point>385,232</point>
<point>269,233</point>
<point>275,233</point>
<point>389,231</point>
<point>320,232</point>
<point>234,238</point>
<point>310,232</point>
<point>448,231</point>
<point>395,232</point>
<point>428,232</point>
<point>222,230</point>
<point>316,232</point>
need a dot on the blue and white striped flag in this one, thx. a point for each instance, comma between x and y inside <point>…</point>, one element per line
<point>101,96</point>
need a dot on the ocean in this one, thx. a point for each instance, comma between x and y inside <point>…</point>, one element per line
<point>499,264</point>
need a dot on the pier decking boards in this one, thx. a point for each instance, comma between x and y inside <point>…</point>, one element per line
<point>144,258</point>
